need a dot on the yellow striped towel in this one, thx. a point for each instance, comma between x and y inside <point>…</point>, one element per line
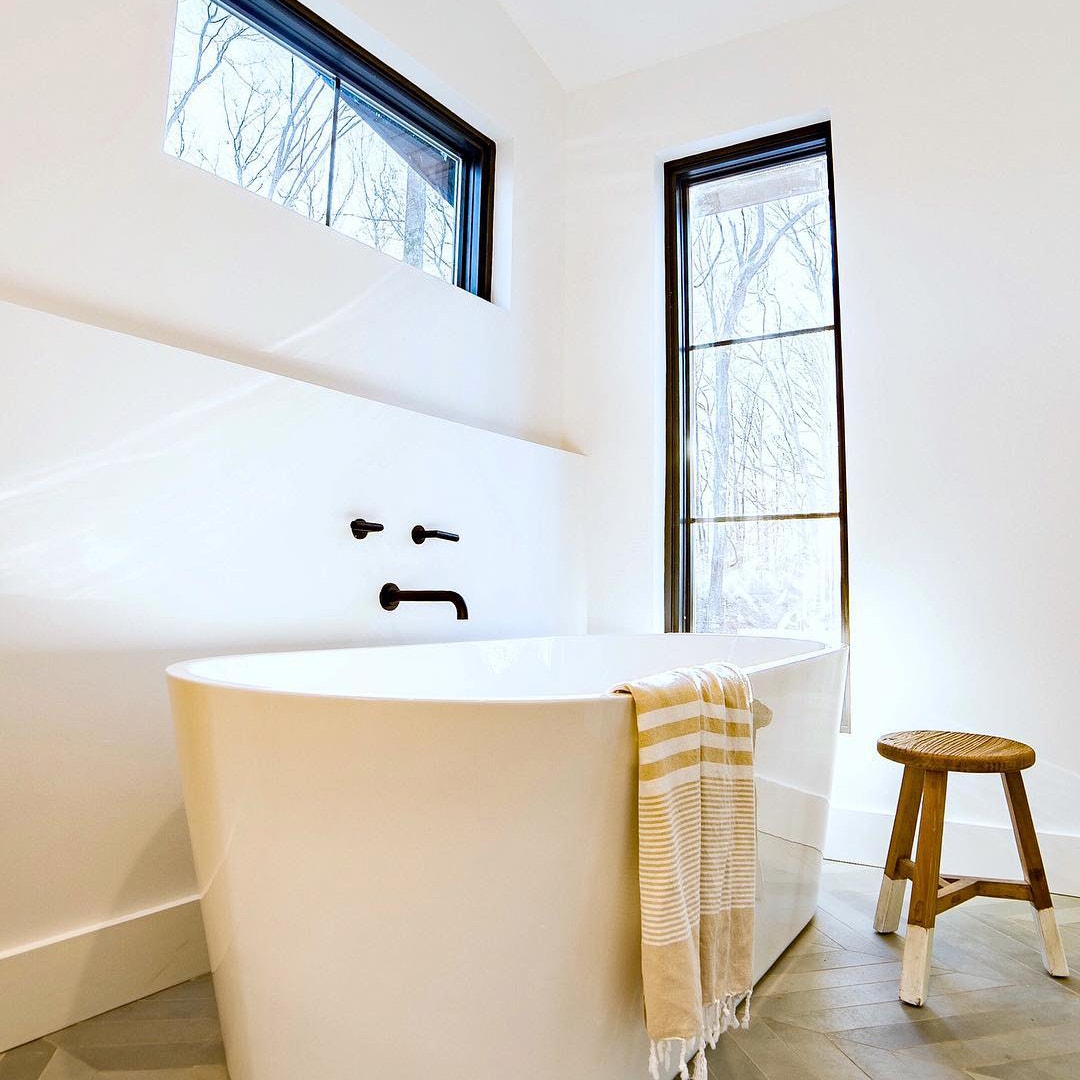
<point>697,852</point>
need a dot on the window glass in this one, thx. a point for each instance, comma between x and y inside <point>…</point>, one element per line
<point>762,255</point>
<point>764,427</point>
<point>274,100</point>
<point>249,110</point>
<point>782,576</point>
<point>394,189</point>
<point>758,536</point>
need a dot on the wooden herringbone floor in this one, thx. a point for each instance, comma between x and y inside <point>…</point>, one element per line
<point>173,1035</point>
<point>827,1011</point>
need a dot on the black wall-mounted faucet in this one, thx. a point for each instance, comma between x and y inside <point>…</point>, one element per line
<point>360,528</point>
<point>390,596</point>
<point>420,534</point>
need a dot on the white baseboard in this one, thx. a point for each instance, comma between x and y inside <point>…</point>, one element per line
<point>48,985</point>
<point>862,836</point>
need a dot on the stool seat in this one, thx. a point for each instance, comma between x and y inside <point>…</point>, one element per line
<point>956,751</point>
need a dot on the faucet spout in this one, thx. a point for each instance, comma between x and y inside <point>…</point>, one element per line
<point>390,596</point>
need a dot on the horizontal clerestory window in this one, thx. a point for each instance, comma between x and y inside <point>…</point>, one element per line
<point>269,96</point>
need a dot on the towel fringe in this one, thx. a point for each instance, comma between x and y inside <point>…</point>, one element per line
<point>717,1017</point>
<point>746,1009</point>
<point>701,1066</point>
<point>654,1061</point>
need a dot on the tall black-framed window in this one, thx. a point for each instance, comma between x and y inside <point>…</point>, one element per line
<point>756,529</point>
<point>268,95</point>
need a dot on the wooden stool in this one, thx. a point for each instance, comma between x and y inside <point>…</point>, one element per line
<point>928,757</point>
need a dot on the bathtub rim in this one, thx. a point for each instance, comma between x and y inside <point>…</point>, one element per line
<point>181,672</point>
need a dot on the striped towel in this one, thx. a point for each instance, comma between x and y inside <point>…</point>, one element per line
<point>697,849</point>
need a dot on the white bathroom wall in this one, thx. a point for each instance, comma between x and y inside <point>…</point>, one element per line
<point>957,183</point>
<point>156,504</point>
<point>99,224</point>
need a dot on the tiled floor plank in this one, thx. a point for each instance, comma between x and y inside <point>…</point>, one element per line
<point>908,1033</point>
<point>729,1062</point>
<point>136,1033</point>
<point>819,980</point>
<point>769,1052</point>
<point>792,1005</point>
<point>165,1008</point>
<point>821,1057</point>
<point>199,1072</point>
<point>1031,1044</point>
<point>811,940</point>
<point>26,1062</point>
<point>153,1055</point>
<point>941,1006</point>
<point>200,987</point>
<point>880,1064</point>
<point>830,958</point>
<point>1060,1067</point>
<point>65,1066</point>
<point>886,946</point>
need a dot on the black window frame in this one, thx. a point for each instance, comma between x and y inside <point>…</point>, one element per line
<point>679,176</point>
<point>324,45</point>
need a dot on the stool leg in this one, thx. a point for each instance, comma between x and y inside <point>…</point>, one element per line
<point>891,898</point>
<point>919,945</point>
<point>1027,844</point>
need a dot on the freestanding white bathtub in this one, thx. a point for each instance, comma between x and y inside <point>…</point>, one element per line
<point>420,861</point>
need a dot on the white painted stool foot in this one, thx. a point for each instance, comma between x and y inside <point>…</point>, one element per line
<point>915,973</point>
<point>1050,943</point>
<point>890,904</point>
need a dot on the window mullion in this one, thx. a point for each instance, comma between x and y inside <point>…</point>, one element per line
<point>731,518</point>
<point>779,335</point>
<point>333,151</point>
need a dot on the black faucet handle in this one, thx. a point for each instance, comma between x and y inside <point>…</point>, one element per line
<point>420,534</point>
<point>360,528</point>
